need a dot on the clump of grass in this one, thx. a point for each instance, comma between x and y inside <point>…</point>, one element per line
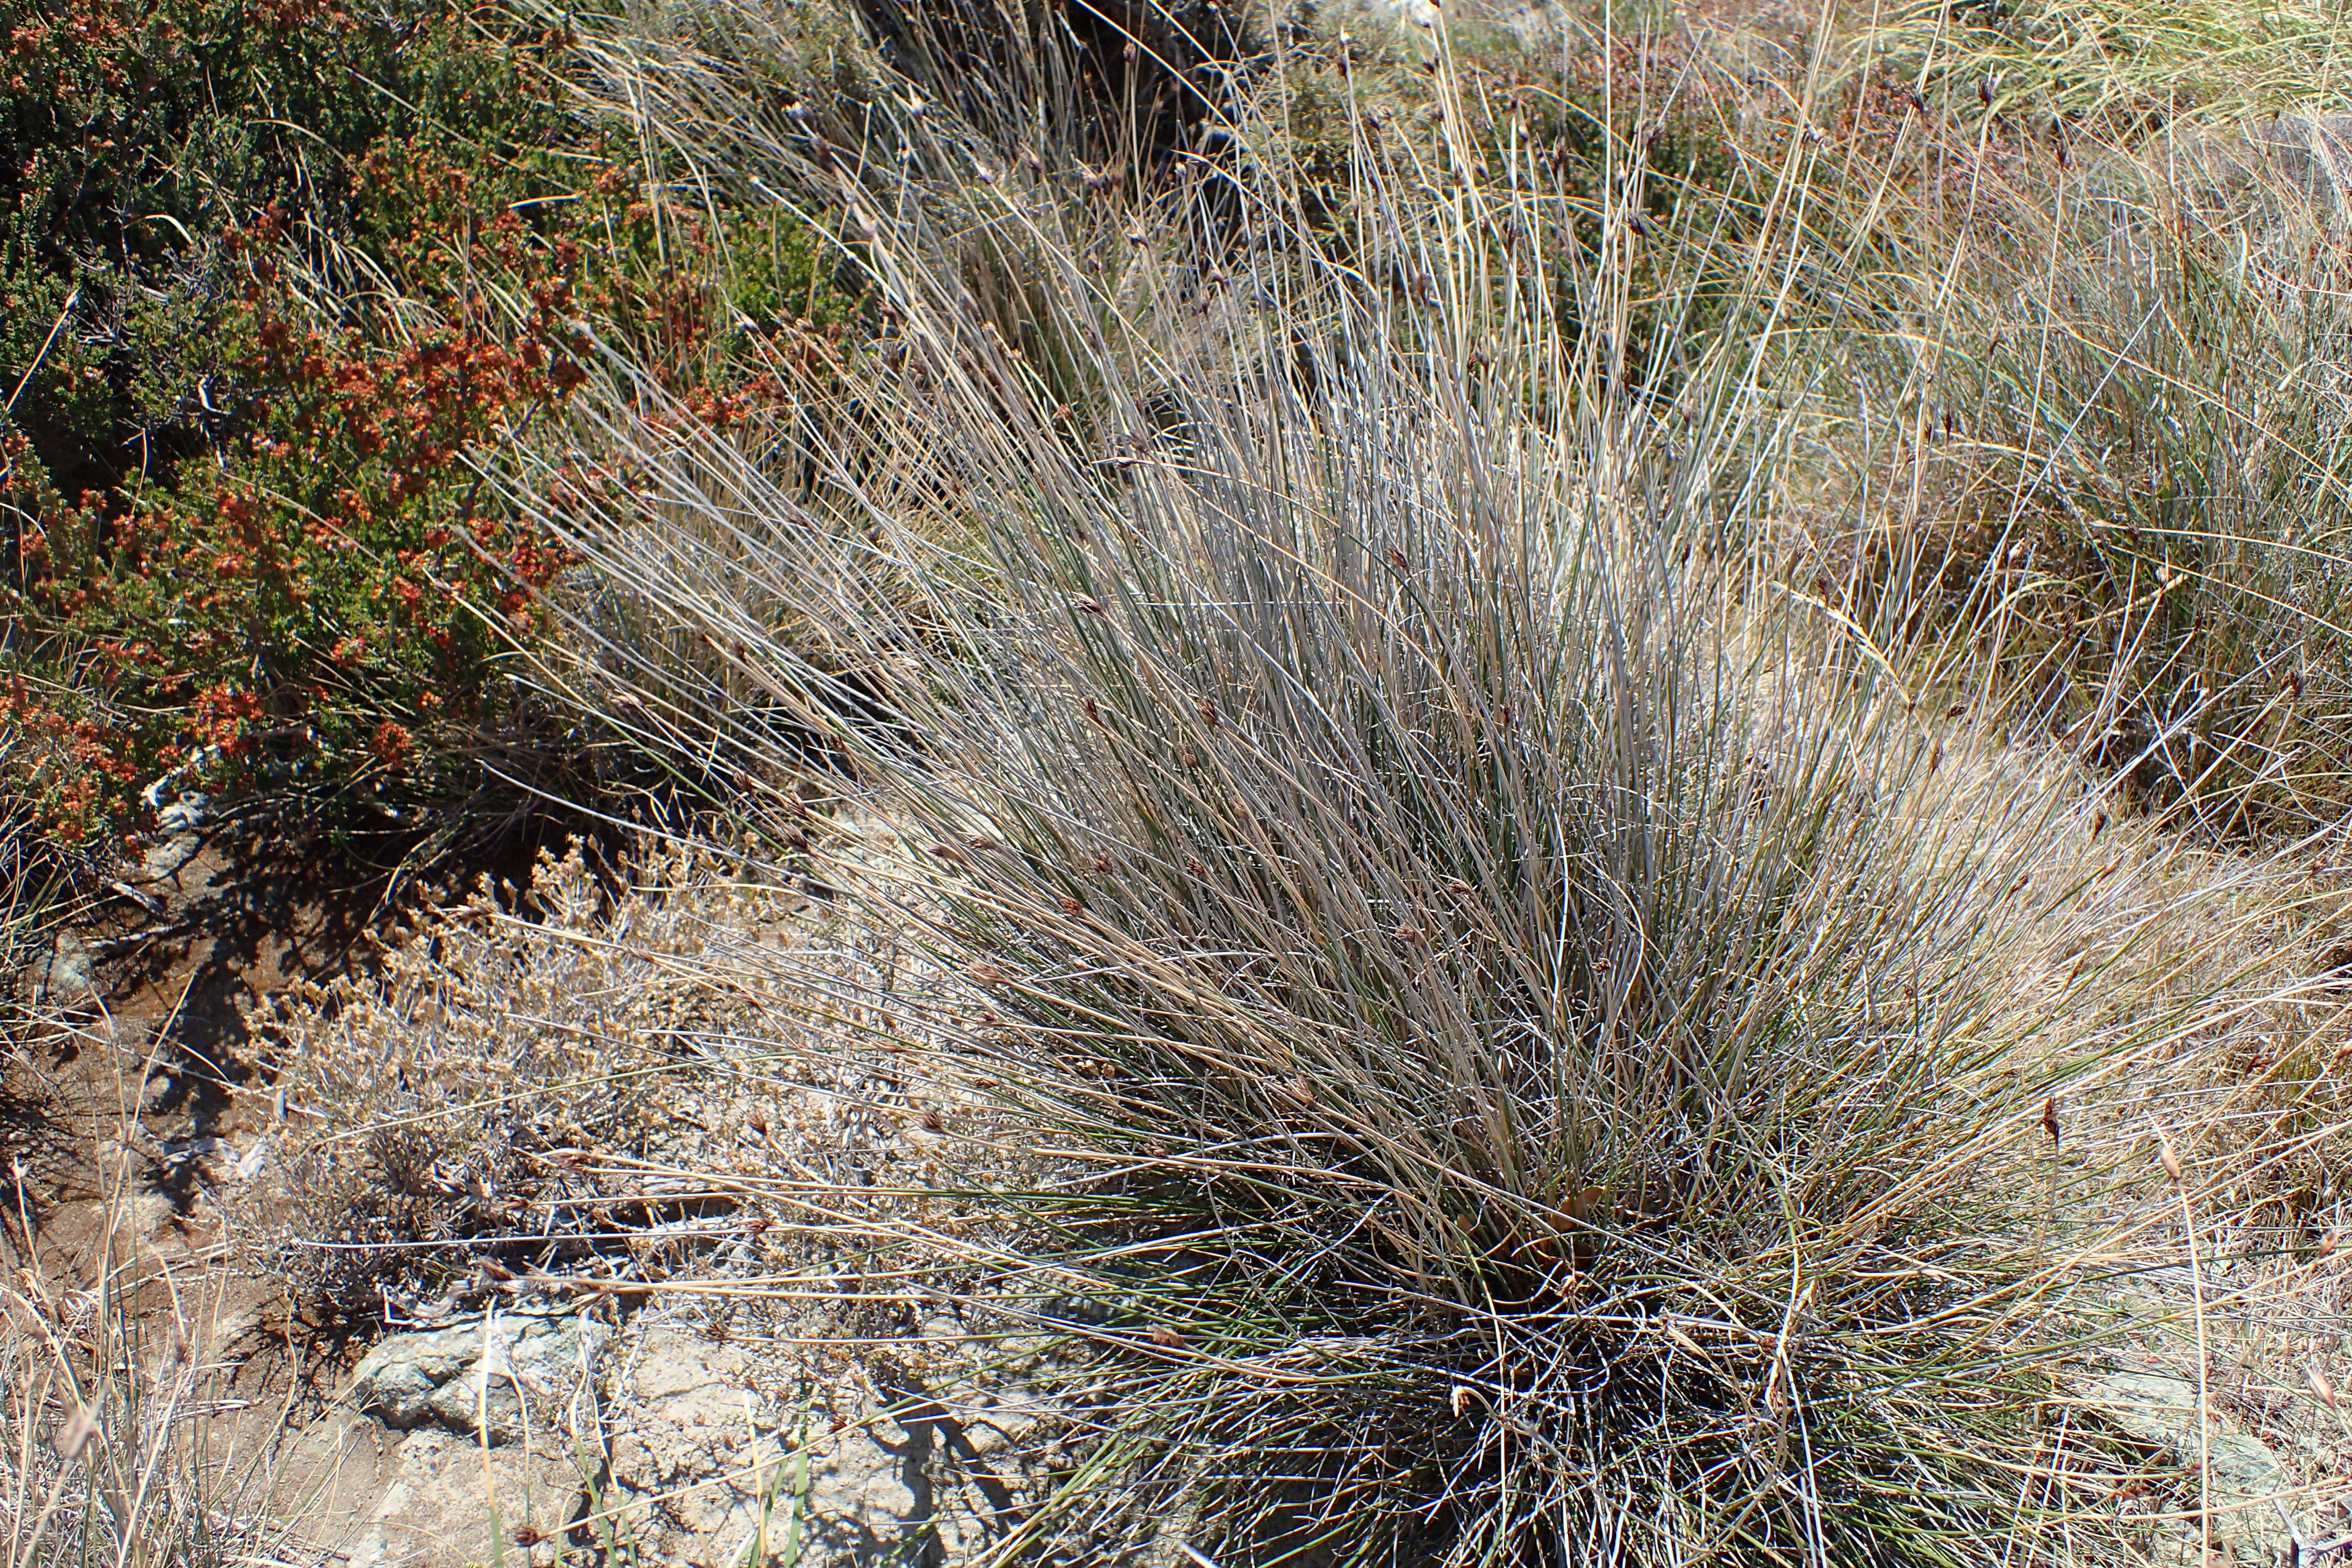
<point>2118,63</point>
<point>1434,801</point>
<point>1500,995</point>
<point>1564,1047</point>
<point>109,1453</point>
<point>2076,448</point>
<point>1563,1055</point>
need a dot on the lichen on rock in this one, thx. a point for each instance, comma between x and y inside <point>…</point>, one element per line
<point>497,1377</point>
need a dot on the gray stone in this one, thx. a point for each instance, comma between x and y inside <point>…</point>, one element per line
<point>367,1497</point>
<point>684,1449</point>
<point>2161,1409</point>
<point>478,1400</point>
<point>62,978</point>
<point>865,1470</point>
<point>494,1377</point>
<point>183,815</point>
<point>166,857</point>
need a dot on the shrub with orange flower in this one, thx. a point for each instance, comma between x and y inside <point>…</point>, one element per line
<point>286,565</point>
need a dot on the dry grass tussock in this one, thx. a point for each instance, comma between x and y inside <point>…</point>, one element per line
<point>1566,1025</point>
<point>116,1444</point>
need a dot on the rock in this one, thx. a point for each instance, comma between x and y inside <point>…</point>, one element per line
<point>691,1451</point>
<point>182,815</point>
<point>866,1471</point>
<point>430,1498</point>
<point>2161,1409</point>
<point>499,1377</point>
<point>164,858</point>
<point>62,978</point>
<point>680,1416</point>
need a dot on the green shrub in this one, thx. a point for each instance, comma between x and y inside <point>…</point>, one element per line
<point>312,283</point>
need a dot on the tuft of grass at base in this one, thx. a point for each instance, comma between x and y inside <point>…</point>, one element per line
<point>109,1448</point>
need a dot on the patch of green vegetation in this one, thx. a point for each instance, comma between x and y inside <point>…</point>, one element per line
<point>281,295</point>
